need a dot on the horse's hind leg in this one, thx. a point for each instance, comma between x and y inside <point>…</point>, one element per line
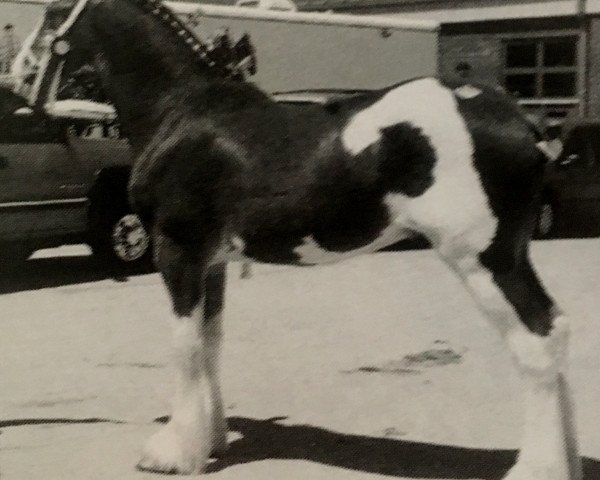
<point>213,335</point>
<point>507,290</point>
<point>197,425</point>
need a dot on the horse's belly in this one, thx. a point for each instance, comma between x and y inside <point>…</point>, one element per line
<point>311,253</point>
<point>359,222</point>
<point>307,250</point>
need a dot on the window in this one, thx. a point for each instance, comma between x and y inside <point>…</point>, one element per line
<point>82,84</point>
<point>541,67</point>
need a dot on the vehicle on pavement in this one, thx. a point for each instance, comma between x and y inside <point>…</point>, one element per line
<point>63,176</point>
<point>571,201</point>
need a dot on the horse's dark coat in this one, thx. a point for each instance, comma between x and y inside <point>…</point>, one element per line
<point>275,174</point>
<point>511,171</point>
<point>220,164</point>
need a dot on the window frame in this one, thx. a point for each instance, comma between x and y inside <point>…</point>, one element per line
<point>539,69</point>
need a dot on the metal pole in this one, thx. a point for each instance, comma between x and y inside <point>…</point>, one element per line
<point>584,54</point>
<point>27,2</point>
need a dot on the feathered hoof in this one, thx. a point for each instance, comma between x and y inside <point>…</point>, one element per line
<point>168,452</point>
<point>219,450</point>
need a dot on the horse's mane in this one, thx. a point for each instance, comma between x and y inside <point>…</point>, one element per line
<point>218,55</point>
<point>177,28</point>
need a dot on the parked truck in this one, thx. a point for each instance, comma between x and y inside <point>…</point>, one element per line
<point>64,164</point>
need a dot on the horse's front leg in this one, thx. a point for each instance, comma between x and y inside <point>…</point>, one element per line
<point>197,425</point>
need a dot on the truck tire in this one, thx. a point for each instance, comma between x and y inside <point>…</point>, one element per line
<point>118,237</point>
<point>12,256</point>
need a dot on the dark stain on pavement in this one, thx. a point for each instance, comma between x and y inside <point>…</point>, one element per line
<point>20,422</point>
<point>438,356</point>
<point>391,367</point>
<point>435,357</point>
<point>131,365</point>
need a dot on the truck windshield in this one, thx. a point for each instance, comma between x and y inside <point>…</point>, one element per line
<point>81,84</point>
<point>27,61</point>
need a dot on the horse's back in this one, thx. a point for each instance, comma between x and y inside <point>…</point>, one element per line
<point>312,184</point>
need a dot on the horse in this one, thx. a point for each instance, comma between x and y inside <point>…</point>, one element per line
<point>222,170</point>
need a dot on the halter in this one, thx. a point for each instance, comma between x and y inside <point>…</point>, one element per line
<point>230,60</point>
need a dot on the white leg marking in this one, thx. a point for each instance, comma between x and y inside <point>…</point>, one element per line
<point>541,361</point>
<point>423,103</point>
<point>549,443</point>
<point>183,445</point>
<point>455,205</point>
<point>214,402</point>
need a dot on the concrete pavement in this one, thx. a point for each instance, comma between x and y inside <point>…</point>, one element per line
<point>376,367</point>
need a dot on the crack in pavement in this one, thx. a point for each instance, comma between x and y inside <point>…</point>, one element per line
<point>48,421</point>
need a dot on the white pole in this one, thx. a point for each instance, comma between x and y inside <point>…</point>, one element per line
<point>27,2</point>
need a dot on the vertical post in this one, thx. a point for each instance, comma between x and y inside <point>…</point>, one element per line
<point>583,57</point>
<point>11,46</point>
<point>9,50</point>
<point>246,270</point>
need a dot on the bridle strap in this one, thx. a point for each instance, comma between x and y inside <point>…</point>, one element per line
<point>71,19</point>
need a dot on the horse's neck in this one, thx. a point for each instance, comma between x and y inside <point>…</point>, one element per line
<point>144,106</point>
<point>141,62</point>
<point>141,102</point>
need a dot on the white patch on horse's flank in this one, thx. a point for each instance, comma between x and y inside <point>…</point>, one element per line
<point>420,103</point>
<point>189,352</point>
<point>467,91</point>
<point>455,208</point>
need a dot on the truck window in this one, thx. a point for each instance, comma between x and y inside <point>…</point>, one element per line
<point>82,84</point>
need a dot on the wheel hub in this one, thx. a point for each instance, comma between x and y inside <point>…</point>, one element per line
<point>130,239</point>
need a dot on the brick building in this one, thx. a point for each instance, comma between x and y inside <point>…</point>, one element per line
<point>545,52</point>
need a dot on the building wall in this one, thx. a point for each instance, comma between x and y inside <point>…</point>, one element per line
<point>474,34</point>
<point>593,68</point>
<point>482,53</point>
<point>23,16</point>
<point>480,45</point>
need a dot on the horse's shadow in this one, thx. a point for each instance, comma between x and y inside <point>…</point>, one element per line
<point>269,439</point>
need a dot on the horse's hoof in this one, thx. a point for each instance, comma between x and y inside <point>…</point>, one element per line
<point>167,452</point>
<point>219,450</point>
<point>220,446</point>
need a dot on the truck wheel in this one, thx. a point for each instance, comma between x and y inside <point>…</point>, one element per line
<point>12,256</point>
<point>545,220</point>
<point>118,237</point>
